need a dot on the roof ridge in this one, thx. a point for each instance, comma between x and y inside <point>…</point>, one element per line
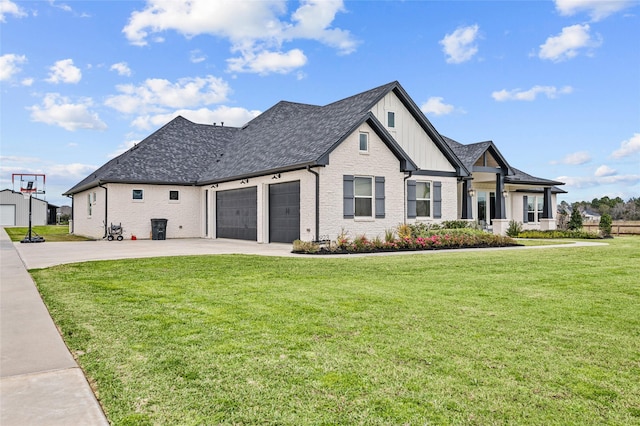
<point>382,88</point>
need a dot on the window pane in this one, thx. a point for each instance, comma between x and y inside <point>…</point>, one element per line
<point>423,190</point>
<point>423,208</point>
<point>173,195</point>
<point>362,187</point>
<point>363,207</point>
<point>137,194</point>
<point>482,206</point>
<point>391,119</point>
<point>364,142</point>
<point>531,217</point>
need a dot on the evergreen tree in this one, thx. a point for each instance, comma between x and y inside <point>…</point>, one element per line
<point>575,222</point>
<point>605,225</point>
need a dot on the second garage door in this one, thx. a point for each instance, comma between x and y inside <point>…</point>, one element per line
<point>237,214</point>
<point>284,212</point>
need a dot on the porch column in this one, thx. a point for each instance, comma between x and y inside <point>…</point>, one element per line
<point>467,202</point>
<point>500,205</point>
<point>547,222</point>
<point>547,210</point>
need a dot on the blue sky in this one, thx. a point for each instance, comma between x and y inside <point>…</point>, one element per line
<point>555,84</point>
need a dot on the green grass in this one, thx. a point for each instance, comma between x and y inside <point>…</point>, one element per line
<point>51,233</point>
<point>544,337</point>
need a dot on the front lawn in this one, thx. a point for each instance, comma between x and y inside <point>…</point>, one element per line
<point>51,233</point>
<point>544,336</point>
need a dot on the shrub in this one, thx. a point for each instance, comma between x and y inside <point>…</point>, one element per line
<point>455,224</point>
<point>554,234</point>
<point>305,247</point>
<point>389,235</point>
<point>514,228</point>
<point>575,222</point>
<point>432,240</point>
<point>404,231</point>
<point>605,225</point>
<point>419,229</point>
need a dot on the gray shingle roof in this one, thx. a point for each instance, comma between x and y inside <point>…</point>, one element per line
<point>287,136</point>
<point>470,153</point>
<point>172,155</point>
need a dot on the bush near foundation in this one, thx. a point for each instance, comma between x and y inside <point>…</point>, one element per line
<point>412,239</point>
<point>552,234</point>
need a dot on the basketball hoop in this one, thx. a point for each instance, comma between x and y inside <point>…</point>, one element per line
<point>29,183</point>
<point>29,186</point>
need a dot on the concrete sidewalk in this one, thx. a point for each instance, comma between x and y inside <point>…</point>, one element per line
<point>40,382</point>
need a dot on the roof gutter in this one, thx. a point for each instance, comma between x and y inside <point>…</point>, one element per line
<point>317,231</point>
<point>404,201</point>
<point>106,205</point>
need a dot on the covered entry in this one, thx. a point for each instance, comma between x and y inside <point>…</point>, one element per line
<point>237,214</point>
<point>284,212</point>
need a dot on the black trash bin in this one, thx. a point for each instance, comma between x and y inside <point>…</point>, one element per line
<point>158,229</point>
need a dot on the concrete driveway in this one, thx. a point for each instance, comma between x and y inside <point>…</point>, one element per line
<point>44,255</point>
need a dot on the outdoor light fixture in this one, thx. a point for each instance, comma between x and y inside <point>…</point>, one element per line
<point>505,193</point>
<point>472,192</point>
<point>243,181</point>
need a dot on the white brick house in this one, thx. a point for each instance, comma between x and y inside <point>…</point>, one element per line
<point>362,165</point>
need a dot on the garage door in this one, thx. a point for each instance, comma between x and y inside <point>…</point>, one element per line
<point>7,215</point>
<point>237,214</point>
<point>284,212</point>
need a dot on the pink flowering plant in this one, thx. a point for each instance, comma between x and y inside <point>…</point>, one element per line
<point>409,238</point>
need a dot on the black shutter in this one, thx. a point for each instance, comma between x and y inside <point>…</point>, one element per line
<point>347,194</point>
<point>437,200</point>
<point>379,197</point>
<point>411,199</point>
<point>525,208</point>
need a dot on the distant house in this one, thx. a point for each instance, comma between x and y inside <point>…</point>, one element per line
<point>363,164</point>
<point>14,210</point>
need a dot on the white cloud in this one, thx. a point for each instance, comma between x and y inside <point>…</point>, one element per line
<point>8,7</point>
<point>567,44</point>
<point>459,46</point>
<point>4,159</point>
<point>255,29</point>
<point>64,71</point>
<point>576,158</point>
<point>597,9</point>
<point>60,111</point>
<point>27,82</point>
<point>9,65</point>
<point>196,56</point>
<point>551,92</point>
<point>234,117</point>
<point>268,62</point>
<point>628,147</point>
<point>605,170</point>
<point>580,182</point>
<point>121,68</point>
<point>60,6</point>
<point>436,106</point>
<point>68,171</point>
<point>158,95</point>
<point>312,21</point>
